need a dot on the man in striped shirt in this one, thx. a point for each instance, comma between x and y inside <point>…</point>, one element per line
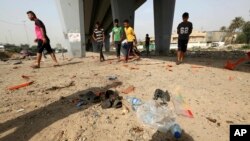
<point>98,36</point>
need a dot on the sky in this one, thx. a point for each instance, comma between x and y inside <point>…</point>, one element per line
<point>206,15</point>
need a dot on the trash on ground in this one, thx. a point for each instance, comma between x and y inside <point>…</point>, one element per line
<point>231,66</point>
<point>211,119</point>
<point>134,102</point>
<point>17,63</point>
<point>112,77</point>
<point>159,117</point>
<point>197,67</point>
<point>181,107</point>
<point>26,77</point>
<point>134,68</point>
<point>128,90</point>
<point>72,83</point>
<point>110,99</point>
<point>20,85</point>
<point>20,110</point>
<point>164,96</point>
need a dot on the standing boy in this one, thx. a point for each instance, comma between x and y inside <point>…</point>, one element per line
<point>147,41</point>
<point>41,39</point>
<point>184,30</point>
<point>131,38</point>
<point>98,36</point>
<point>117,33</point>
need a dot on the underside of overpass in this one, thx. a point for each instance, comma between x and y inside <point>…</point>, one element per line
<point>78,18</point>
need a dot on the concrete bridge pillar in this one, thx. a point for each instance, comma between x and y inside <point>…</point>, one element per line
<point>71,13</point>
<point>163,17</point>
<point>123,9</point>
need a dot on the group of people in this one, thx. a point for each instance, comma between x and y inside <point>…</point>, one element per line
<point>127,36</point>
<point>121,36</point>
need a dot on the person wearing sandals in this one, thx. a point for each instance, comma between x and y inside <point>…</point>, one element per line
<point>117,36</point>
<point>99,37</point>
<point>131,39</point>
<point>42,40</point>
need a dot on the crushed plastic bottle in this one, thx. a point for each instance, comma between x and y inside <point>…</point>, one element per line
<point>135,102</point>
<point>176,130</point>
<point>159,117</point>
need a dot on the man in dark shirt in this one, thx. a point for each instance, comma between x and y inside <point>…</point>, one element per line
<point>41,39</point>
<point>184,30</point>
<point>98,36</point>
<point>147,41</point>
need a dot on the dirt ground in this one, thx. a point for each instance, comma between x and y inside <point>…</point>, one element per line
<point>45,110</point>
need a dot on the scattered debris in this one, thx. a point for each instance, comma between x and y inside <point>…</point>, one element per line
<point>72,83</point>
<point>128,90</point>
<point>164,96</point>
<point>181,107</point>
<point>211,119</point>
<point>134,68</point>
<point>170,66</point>
<point>20,110</point>
<point>17,63</point>
<point>20,85</point>
<point>26,77</point>
<point>16,67</point>
<point>229,122</point>
<point>137,129</point>
<point>112,77</point>
<point>197,67</point>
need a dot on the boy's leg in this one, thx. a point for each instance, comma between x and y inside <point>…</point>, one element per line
<point>50,51</point>
<point>119,50</point>
<point>40,48</point>
<point>184,49</point>
<point>38,59</point>
<point>128,51</point>
<point>101,53</point>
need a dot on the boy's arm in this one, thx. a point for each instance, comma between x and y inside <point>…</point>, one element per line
<point>93,36</point>
<point>103,35</point>
<point>191,28</point>
<point>112,36</point>
<point>178,29</point>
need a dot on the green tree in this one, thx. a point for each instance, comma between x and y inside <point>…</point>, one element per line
<point>246,31</point>
<point>241,38</point>
<point>223,29</point>
<point>236,24</point>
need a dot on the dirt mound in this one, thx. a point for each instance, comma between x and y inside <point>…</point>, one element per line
<point>5,55</point>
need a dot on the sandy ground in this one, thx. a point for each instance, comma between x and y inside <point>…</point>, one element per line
<point>38,113</point>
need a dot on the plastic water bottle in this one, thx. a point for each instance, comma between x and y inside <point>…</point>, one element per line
<point>135,102</point>
<point>176,130</point>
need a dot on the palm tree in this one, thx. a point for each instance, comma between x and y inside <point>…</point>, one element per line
<point>236,24</point>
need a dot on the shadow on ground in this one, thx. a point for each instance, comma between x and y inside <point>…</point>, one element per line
<point>26,126</point>
<point>158,136</point>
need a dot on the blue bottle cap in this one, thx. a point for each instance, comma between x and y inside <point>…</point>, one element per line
<point>177,135</point>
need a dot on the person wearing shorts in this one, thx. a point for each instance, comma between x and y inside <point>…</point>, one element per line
<point>42,40</point>
<point>117,35</point>
<point>184,30</point>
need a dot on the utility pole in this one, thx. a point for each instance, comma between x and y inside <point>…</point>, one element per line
<point>25,28</point>
<point>11,38</point>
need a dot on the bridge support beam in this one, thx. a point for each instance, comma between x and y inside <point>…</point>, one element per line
<point>163,16</point>
<point>71,13</point>
<point>123,9</point>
